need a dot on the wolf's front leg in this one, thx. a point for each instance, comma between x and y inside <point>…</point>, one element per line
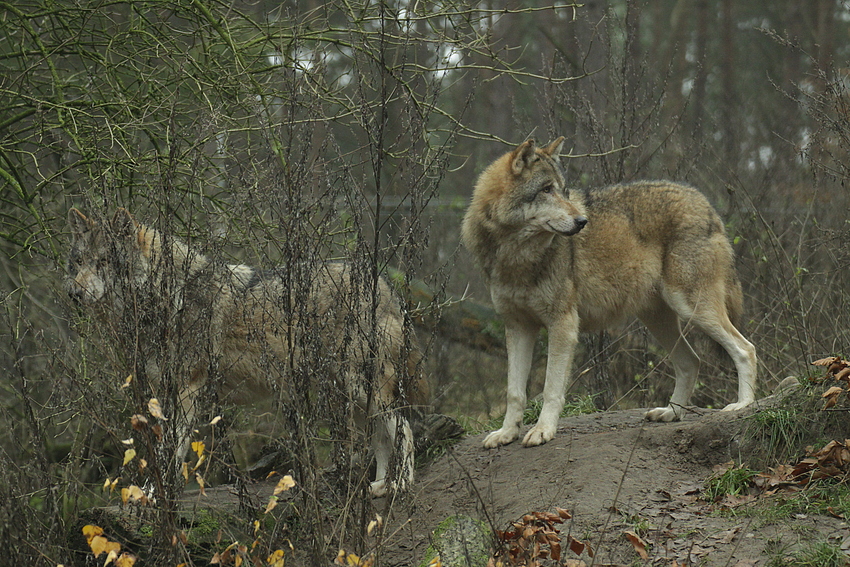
<point>520,342</point>
<point>386,442</point>
<point>563,336</point>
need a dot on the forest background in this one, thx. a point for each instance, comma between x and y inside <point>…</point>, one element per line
<point>274,132</point>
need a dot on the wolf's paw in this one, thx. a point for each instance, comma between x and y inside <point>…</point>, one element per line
<point>379,488</point>
<point>501,437</point>
<point>662,414</point>
<point>736,406</point>
<point>538,435</point>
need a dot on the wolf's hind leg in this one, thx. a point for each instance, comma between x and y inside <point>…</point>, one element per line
<point>708,313</point>
<point>665,326</point>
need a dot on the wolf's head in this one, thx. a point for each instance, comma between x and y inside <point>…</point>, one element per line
<point>105,258</point>
<point>525,191</point>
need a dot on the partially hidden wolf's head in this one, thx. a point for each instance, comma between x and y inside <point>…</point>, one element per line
<point>106,258</point>
<point>525,191</point>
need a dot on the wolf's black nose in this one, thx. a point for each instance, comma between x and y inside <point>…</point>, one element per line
<point>580,222</point>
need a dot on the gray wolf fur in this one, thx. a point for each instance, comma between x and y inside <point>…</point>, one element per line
<point>574,261</point>
<point>246,329</point>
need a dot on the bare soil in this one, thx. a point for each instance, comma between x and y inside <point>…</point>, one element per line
<point>614,472</point>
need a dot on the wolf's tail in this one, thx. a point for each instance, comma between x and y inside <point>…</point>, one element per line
<point>734,299</point>
<point>416,391</point>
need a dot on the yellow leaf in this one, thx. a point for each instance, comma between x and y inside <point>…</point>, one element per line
<point>284,484</point>
<point>128,381</point>
<point>271,505</point>
<point>276,558</point>
<point>199,463</point>
<point>155,409</point>
<point>256,527</point>
<point>198,447</point>
<point>200,480</point>
<point>110,557</point>
<point>126,560</point>
<point>133,494</point>
<point>143,464</point>
<point>127,441</point>
<point>90,531</point>
<point>186,472</point>
<point>215,420</point>
<point>376,523</point>
<point>129,454</point>
<point>238,561</point>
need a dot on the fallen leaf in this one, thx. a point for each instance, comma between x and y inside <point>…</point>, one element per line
<point>638,544</point>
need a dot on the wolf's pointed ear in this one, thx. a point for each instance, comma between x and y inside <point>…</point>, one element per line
<point>553,150</point>
<point>123,223</point>
<point>523,156</point>
<point>80,223</point>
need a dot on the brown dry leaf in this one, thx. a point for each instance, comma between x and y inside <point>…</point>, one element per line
<point>155,409</point>
<point>201,483</point>
<point>139,422</point>
<point>578,547</point>
<point>828,361</point>
<point>638,544</point>
<point>727,536</point>
<point>574,563</point>
<point>831,396</point>
<point>563,513</point>
<point>157,431</point>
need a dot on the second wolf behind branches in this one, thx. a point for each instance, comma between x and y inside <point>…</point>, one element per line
<point>240,332</point>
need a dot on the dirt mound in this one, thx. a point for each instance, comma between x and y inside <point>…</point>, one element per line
<point>614,472</point>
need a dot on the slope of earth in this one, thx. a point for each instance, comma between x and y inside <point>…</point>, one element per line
<point>614,472</point>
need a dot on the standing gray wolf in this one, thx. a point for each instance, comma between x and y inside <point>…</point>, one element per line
<point>247,329</point>
<point>575,261</point>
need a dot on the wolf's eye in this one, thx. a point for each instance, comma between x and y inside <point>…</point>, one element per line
<point>548,189</point>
